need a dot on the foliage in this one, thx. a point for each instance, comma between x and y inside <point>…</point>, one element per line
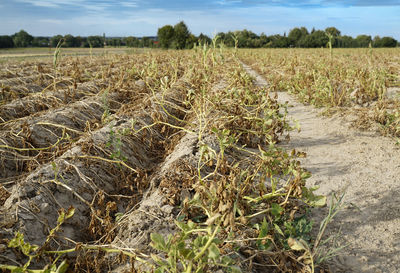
<point>384,42</point>
<point>166,36</point>
<point>22,39</point>
<point>6,41</point>
<point>181,34</point>
<point>179,37</point>
<point>194,248</point>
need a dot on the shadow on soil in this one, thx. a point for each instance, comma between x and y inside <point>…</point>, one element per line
<point>381,213</point>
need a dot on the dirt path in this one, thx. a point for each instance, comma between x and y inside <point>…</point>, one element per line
<point>364,165</point>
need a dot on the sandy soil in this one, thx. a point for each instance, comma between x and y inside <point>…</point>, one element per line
<point>364,165</point>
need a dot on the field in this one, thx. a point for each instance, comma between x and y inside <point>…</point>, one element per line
<point>361,82</point>
<point>173,161</point>
<point>12,54</point>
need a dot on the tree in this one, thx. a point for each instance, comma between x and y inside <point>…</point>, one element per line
<point>363,41</point>
<point>40,42</point>
<point>191,41</point>
<point>114,42</point>
<point>204,39</point>
<point>384,42</point>
<point>6,41</point>
<point>246,38</point>
<point>146,42</point>
<point>71,41</point>
<point>132,41</point>
<point>263,40</point>
<point>278,41</point>
<point>346,41</point>
<point>55,40</point>
<point>317,39</point>
<point>334,34</point>
<point>333,31</point>
<point>80,41</point>
<point>181,34</point>
<point>296,35</point>
<point>166,35</point>
<point>95,41</point>
<point>22,39</point>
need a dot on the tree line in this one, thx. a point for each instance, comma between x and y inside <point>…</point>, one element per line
<point>179,37</point>
<point>24,39</point>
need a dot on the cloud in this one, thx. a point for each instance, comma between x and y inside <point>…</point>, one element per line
<point>132,4</point>
<point>51,21</point>
<point>140,17</point>
<point>92,5</point>
<point>53,3</point>
<point>371,3</point>
<point>315,3</point>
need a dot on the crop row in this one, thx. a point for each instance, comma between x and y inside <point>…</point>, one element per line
<point>170,160</point>
<point>364,82</point>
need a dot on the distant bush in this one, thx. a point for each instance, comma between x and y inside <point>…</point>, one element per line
<point>6,42</point>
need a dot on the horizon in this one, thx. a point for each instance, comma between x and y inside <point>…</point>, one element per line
<point>143,18</point>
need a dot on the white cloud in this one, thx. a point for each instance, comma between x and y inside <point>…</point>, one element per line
<point>132,4</point>
<point>53,3</point>
<point>51,21</point>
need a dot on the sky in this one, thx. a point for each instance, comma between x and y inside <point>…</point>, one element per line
<point>143,18</point>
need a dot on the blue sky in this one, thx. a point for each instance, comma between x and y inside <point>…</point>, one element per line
<point>140,17</point>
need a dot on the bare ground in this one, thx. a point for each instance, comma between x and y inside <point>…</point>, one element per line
<point>364,165</point>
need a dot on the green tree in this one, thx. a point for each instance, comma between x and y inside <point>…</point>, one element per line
<point>55,40</point>
<point>263,40</point>
<point>181,34</point>
<point>385,42</point>
<point>346,41</point>
<point>363,41</point>
<point>191,41</point>
<point>95,41</point>
<point>146,42</point>
<point>333,31</point>
<point>204,39</point>
<point>71,41</point>
<point>335,34</point>
<point>278,41</point>
<point>22,39</point>
<point>40,42</point>
<point>6,41</point>
<point>80,41</point>
<point>166,36</point>
<point>317,39</point>
<point>296,36</point>
<point>132,41</point>
<point>114,42</point>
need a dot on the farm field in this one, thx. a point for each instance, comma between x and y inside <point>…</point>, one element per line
<point>362,83</point>
<point>13,54</point>
<point>186,161</point>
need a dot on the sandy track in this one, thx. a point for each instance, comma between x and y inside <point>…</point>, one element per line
<point>366,167</point>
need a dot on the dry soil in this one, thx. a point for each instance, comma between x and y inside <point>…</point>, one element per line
<point>363,165</point>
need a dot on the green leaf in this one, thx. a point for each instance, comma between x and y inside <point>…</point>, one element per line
<point>213,252</point>
<point>276,210</point>
<point>158,241</point>
<point>263,233</point>
<point>235,269</point>
<point>62,268</point>
<point>278,229</point>
<point>159,270</point>
<point>157,259</point>
<point>311,199</point>
<point>61,216</point>
<point>182,226</point>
